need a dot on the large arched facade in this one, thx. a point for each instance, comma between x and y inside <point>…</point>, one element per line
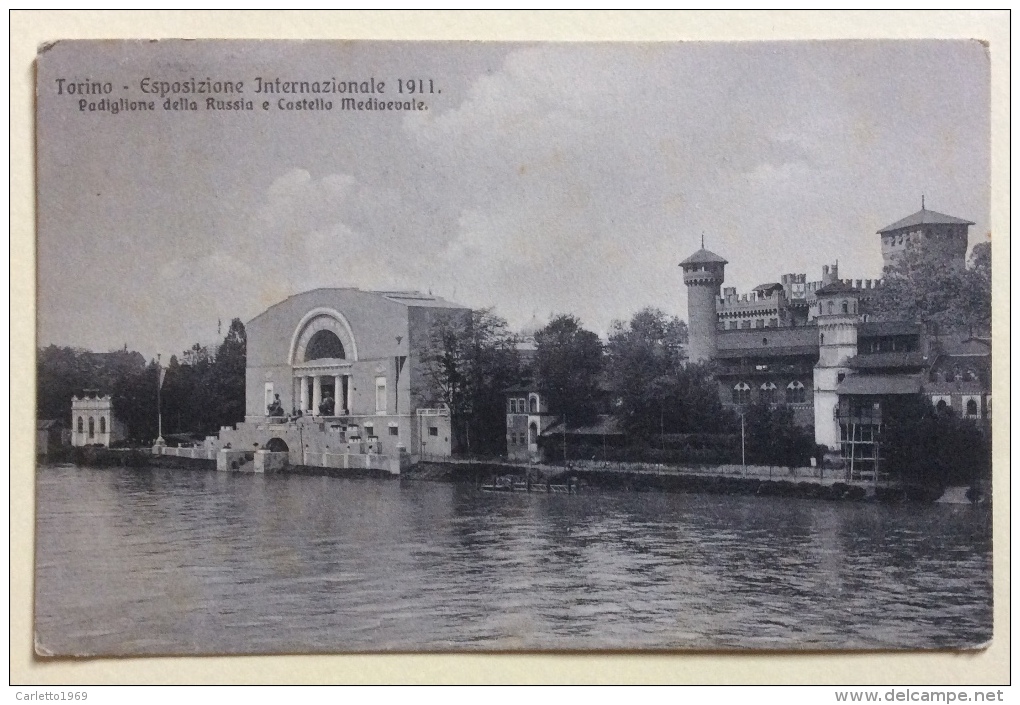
<point>322,352</point>
<point>337,372</point>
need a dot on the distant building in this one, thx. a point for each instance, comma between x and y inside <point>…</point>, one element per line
<point>927,229</point>
<point>51,434</point>
<point>527,418</point>
<point>93,421</point>
<point>334,372</point>
<point>811,345</point>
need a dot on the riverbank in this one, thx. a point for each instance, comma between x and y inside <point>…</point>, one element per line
<point>722,480</point>
<point>806,483</point>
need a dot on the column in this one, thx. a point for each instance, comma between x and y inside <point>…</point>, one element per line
<point>304,394</point>
<point>316,394</point>
<point>337,399</point>
<point>350,394</point>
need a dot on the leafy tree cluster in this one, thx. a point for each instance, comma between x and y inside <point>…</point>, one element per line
<point>655,389</point>
<point>923,286</point>
<point>772,438</point>
<point>201,391</point>
<point>64,372</point>
<point>568,369</point>
<point>468,362</point>
<point>932,448</point>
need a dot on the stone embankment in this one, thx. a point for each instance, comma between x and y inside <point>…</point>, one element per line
<point>814,483</point>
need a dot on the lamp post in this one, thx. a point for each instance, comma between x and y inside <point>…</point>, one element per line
<point>743,457</point>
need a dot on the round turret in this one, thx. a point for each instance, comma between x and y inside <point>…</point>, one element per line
<point>704,273</point>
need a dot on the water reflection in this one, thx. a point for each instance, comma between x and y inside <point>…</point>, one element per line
<point>159,561</point>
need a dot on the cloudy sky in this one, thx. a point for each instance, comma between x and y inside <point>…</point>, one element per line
<point>543,178</point>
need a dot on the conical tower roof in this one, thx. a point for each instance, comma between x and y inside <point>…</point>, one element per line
<point>704,256</point>
<point>924,217</point>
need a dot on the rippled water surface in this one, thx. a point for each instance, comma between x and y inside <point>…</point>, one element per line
<point>171,561</point>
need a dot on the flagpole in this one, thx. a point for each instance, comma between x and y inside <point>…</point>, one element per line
<point>159,400</point>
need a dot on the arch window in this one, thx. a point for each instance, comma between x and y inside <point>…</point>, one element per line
<point>533,404</point>
<point>741,393</point>
<point>830,307</point>
<point>92,426</point>
<point>768,393</point>
<point>533,433</point>
<point>972,409</point>
<point>941,406</point>
<point>846,307</point>
<point>324,344</point>
<point>795,393</point>
<point>81,425</point>
<point>102,424</point>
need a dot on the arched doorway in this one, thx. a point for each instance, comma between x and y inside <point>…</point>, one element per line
<point>533,437</point>
<point>277,445</point>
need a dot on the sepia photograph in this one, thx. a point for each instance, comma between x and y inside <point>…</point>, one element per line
<point>473,346</point>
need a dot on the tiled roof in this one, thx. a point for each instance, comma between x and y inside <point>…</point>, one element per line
<point>871,329</point>
<point>766,351</point>
<point>879,385</point>
<point>925,217</point>
<point>887,360</point>
<point>605,425</point>
<point>703,256</point>
<point>837,287</point>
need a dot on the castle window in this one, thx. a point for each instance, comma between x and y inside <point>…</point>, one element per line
<point>795,393</point>
<point>821,338</point>
<point>533,404</point>
<point>846,307</point>
<point>972,409</point>
<point>741,393</point>
<point>513,406</point>
<point>380,395</point>
<point>941,406</point>
<point>102,424</point>
<point>768,393</point>
<point>92,427</point>
<point>764,341</point>
<point>81,425</point>
<point>745,324</point>
<point>433,430</point>
<point>830,307</point>
<point>394,431</point>
<point>760,323</point>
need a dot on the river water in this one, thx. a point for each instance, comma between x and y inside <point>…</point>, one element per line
<point>154,561</point>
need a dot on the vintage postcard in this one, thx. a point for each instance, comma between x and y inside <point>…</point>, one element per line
<point>365,346</point>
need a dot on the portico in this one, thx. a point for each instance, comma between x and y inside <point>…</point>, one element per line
<point>313,384</point>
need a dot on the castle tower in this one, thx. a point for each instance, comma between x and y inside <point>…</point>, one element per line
<point>929,230</point>
<point>837,318</point>
<point>703,275</point>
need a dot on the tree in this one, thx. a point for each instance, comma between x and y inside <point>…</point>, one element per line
<point>568,362</point>
<point>228,376</point>
<point>923,446</point>
<point>468,362</point>
<point>656,390</point>
<point>772,438</point>
<point>922,286</point>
